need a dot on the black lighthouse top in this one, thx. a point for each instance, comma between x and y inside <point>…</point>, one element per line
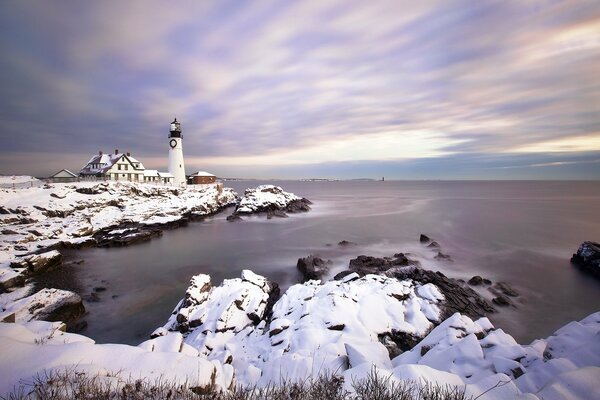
<point>175,130</point>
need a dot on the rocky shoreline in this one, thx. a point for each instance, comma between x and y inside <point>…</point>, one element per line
<point>107,214</point>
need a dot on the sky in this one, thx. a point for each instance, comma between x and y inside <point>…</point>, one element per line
<point>305,89</point>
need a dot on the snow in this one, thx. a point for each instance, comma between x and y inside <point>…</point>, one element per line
<point>234,339</point>
<point>10,179</point>
<point>262,197</point>
<point>55,350</point>
<point>60,213</point>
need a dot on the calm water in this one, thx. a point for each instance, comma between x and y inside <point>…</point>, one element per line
<point>520,232</point>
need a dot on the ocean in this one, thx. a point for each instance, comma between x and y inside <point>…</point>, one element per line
<point>520,232</point>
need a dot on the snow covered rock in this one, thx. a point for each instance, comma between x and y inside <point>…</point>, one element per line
<point>54,350</point>
<point>36,218</point>
<point>332,325</point>
<point>270,199</point>
<point>46,305</point>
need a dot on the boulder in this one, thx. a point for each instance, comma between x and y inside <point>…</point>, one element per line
<point>313,267</point>
<point>588,257</point>
<point>48,305</point>
<point>271,199</point>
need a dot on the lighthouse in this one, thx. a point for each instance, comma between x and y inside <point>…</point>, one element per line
<point>176,166</point>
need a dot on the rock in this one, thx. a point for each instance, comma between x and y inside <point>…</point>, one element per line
<point>475,281</point>
<point>127,234</point>
<point>424,239</point>
<point>234,217</point>
<point>346,243</point>
<point>458,298</point>
<point>296,206</point>
<point>372,265</point>
<point>313,267</point>
<point>271,199</point>
<point>276,213</point>
<point>39,263</point>
<point>77,326</point>
<point>48,305</point>
<point>443,257</point>
<point>505,289</point>
<point>588,257</point>
<point>341,275</point>
<point>501,301</point>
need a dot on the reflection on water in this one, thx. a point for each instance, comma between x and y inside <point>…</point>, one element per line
<point>519,232</point>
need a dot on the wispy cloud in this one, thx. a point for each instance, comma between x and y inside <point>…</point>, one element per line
<point>280,83</point>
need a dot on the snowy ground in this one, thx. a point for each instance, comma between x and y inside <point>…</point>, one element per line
<point>316,327</point>
<point>241,332</point>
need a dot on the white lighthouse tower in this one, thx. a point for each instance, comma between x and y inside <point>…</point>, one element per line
<point>176,167</point>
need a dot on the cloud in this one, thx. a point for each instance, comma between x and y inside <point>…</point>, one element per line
<point>282,83</point>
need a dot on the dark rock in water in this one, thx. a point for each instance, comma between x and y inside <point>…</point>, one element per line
<point>501,301</point>
<point>276,213</point>
<point>505,289</point>
<point>364,265</point>
<point>459,298</point>
<point>443,257</point>
<point>76,326</point>
<point>346,243</point>
<point>475,281</point>
<point>341,275</point>
<point>313,267</point>
<point>234,217</point>
<point>127,234</point>
<point>424,238</point>
<point>588,257</point>
<point>296,206</point>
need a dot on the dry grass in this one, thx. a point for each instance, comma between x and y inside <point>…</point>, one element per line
<point>70,384</point>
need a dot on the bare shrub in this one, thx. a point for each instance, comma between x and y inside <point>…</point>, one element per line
<point>71,384</point>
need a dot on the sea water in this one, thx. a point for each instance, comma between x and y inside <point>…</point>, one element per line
<point>523,233</point>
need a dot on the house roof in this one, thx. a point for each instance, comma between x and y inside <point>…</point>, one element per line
<point>106,161</point>
<point>202,173</point>
<point>64,173</point>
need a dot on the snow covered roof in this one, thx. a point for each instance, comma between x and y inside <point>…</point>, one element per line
<point>101,163</point>
<point>202,173</point>
<point>150,172</point>
<point>64,173</point>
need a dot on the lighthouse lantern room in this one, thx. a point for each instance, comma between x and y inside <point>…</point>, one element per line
<point>176,166</point>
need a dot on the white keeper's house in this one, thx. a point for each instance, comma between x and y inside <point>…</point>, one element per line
<point>122,167</point>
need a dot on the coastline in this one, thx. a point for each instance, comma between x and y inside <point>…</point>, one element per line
<point>176,345</point>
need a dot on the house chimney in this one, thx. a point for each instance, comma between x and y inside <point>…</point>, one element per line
<point>116,151</point>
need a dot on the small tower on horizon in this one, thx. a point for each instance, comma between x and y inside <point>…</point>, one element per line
<point>176,166</point>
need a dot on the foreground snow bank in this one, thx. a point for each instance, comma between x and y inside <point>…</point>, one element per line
<point>37,348</point>
<point>232,334</point>
<point>351,326</point>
